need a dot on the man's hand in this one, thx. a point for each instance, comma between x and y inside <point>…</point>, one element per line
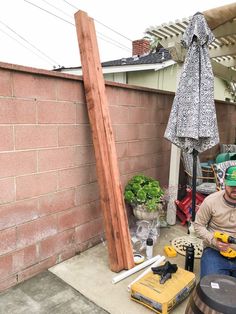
<point>221,246</point>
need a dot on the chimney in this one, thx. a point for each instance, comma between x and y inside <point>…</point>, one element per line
<point>140,47</point>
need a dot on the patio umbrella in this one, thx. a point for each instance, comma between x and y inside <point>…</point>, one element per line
<point>192,124</point>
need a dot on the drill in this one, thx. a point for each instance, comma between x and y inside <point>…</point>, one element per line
<point>226,239</point>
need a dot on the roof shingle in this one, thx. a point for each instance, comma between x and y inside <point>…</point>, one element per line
<point>154,57</point>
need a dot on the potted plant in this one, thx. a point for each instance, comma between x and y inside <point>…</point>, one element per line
<point>144,194</point>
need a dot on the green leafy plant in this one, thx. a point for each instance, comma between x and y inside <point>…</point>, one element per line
<point>143,190</point>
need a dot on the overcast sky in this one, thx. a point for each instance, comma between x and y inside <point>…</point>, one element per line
<point>32,37</point>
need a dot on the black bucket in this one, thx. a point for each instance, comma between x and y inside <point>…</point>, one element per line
<point>214,294</point>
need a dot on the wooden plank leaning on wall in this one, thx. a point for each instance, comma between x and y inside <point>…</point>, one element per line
<point>112,202</point>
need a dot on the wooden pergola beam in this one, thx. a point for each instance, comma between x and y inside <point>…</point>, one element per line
<point>223,72</point>
<point>227,29</point>
<point>111,195</point>
<point>223,51</point>
<point>218,16</point>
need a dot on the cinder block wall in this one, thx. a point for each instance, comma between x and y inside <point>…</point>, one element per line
<point>139,117</point>
<point>49,200</point>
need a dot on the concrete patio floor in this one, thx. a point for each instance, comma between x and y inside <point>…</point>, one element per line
<point>83,284</point>
<point>45,294</point>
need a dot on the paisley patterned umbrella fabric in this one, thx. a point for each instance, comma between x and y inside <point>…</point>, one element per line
<point>192,123</point>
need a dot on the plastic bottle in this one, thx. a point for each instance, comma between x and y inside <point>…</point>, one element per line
<point>189,258</point>
<point>149,248</point>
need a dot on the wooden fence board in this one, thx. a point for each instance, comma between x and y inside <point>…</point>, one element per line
<point>112,202</point>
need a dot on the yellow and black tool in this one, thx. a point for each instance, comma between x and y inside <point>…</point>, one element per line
<point>223,237</point>
<point>170,251</point>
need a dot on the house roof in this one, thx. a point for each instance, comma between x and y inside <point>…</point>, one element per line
<point>151,58</point>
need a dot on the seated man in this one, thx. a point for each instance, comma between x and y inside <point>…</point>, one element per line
<point>218,213</point>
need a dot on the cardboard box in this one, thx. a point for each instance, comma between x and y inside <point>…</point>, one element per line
<point>162,298</point>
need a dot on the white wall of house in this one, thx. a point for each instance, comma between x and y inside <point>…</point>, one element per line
<point>116,77</point>
<point>164,79</point>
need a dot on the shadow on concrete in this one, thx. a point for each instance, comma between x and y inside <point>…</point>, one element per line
<point>46,294</point>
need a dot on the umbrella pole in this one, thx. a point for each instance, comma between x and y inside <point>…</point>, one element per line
<point>180,243</point>
<point>194,183</point>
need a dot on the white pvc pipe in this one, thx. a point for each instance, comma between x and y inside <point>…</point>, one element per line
<point>135,269</point>
<point>157,263</point>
